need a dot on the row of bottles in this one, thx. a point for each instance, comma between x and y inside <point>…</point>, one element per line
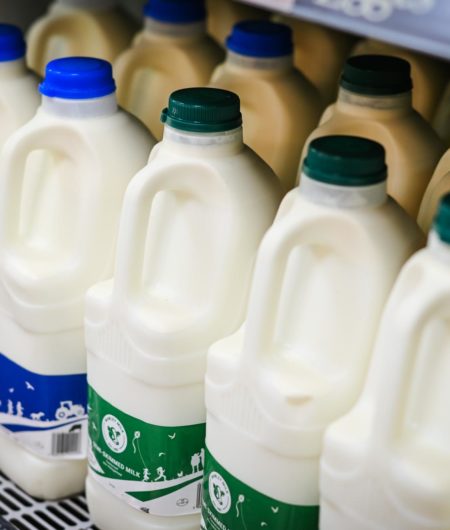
<point>193,275</point>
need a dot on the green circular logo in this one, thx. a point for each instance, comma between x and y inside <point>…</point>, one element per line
<point>114,434</point>
<point>219,493</point>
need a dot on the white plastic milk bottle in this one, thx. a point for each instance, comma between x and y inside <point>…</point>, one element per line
<point>319,53</point>
<point>439,185</point>
<point>385,465</point>
<point>189,232</point>
<point>62,180</point>
<point>78,27</point>
<point>322,275</point>
<point>172,51</point>
<point>224,14</point>
<point>279,105</point>
<point>374,102</point>
<point>429,75</point>
<point>19,97</point>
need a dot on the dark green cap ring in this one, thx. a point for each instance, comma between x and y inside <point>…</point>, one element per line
<point>203,110</point>
<point>376,75</point>
<point>345,161</point>
<point>442,220</point>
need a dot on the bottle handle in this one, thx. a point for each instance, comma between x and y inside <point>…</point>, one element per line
<point>396,380</point>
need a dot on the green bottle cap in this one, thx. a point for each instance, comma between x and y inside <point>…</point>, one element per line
<point>203,110</point>
<point>345,161</point>
<point>442,219</point>
<point>376,75</point>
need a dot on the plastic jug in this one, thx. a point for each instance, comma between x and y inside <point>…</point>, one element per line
<point>319,53</point>
<point>374,101</point>
<point>62,180</point>
<point>322,275</point>
<point>385,464</point>
<point>224,14</point>
<point>78,27</point>
<point>190,229</point>
<point>280,106</point>
<point>441,121</point>
<point>172,51</point>
<point>439,185</point>
<point>19,96</point>
<point>429,75</point>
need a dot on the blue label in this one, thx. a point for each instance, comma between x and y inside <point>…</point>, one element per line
<point>32,405</point>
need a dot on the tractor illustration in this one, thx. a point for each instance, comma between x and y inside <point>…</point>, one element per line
<point>67,410</point>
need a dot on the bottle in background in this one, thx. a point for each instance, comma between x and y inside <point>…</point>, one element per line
<point>319,53</point>
<point>322,276</point>
<point>439,185</point>
<point>19,97</point>
<point>385,464</point>
<point>441,121</point>
<point>374,101</point>
<point>189,232</point>
<point>429,75</point>
<point>279,105</point>
<point>62,179</point>
<point>93,28</point>
<point>172,51</point>
<point>224,14</point>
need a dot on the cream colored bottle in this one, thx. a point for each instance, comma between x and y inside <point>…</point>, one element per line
<point>437,188</point>
<point>323,272</point>
<point>279,105</point>
<point>429,75</point>
<point>319,53</point>
<point>172,51</point>
<point>224,14</point>
<point>191,225</point>
<point>19,96</point>
<point>78,27</point>
<point>441,121</point>
<point>385,465</point>
<point>374,101</point>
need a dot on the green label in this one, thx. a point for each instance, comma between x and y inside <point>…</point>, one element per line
<point>155,469</point>
<point>229,504</point>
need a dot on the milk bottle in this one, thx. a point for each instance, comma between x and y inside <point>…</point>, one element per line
<point>19,96</point>
<point>224,14</point>
<point>437,188</point>
<point>78,27</point>
<point>62,179</point>
<point>441,121</point>
<point>429,75</point>
<point>374,101</point>
<point>172,51</point>
<point>319,53</point>
<point>280,106</point>
<point>190,228</point>
<point>385,464</point>
<point>322,275</point>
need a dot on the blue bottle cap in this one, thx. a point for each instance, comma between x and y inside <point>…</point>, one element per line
<point>78,78</point>
<point>176,11</point>
<point>261,38</point>
<point>442,220</point>
<point>12,43</point>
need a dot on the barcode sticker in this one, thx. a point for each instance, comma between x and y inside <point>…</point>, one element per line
<point>64,443</point>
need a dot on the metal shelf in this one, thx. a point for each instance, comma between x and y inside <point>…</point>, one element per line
<point>20,511</point>
<point>421,25</point>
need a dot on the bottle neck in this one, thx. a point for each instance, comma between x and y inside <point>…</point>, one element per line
<point>262,64</point>
<point>12,69</point>
<point>353,103</point>
<point>342,196</point>
<point>87,4</point>
<point>174,31</point>
<point>439,249</point>
<point>210,144</point>
<point>80,108</point>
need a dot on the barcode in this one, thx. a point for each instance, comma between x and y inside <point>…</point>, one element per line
<point>198,504</point>
<point>64,443</point>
